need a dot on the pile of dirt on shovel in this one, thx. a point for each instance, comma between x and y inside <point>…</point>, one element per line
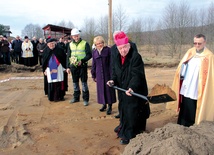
<point>162,89</point>
<point>174,139</point>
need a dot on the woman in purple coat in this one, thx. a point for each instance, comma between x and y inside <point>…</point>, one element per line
<point>101,73</point>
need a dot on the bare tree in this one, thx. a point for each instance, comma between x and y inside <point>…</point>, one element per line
<point>157,39</point>
<point>169,24</point>
<point>32,30</point>
<point>210,26</point>
<point>120,19</point>
<point>135,30</point>
<point>114,23</point>
<point>149,28</point>
<point>1,29</point>
<point>183,22</point>
<point>62,23</point>
<point>102,27</point>
<point>89,30</point>
<point>38,31</point>
<point>69,24</point>
<point>202,20</point>
<point>193,25</point>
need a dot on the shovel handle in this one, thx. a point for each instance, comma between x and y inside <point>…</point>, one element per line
<point>135,94</point>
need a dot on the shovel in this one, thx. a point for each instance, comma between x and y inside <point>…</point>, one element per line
<point>162,98</point>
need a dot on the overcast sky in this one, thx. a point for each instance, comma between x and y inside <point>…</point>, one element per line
<point>19,13</point>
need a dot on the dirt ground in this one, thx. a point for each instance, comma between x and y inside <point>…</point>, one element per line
<point>30,124</point>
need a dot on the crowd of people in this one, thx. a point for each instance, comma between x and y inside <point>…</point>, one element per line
<point>26,51</point>
<point>119,65</point>
<point>19,51</point>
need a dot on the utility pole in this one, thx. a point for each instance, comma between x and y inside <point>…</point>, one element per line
<point>110,42</point>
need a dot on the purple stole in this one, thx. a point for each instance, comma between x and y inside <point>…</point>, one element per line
<point>53,65</point>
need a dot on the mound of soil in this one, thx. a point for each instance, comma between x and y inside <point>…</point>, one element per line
<point>174,139</point>
<point>18,68</point>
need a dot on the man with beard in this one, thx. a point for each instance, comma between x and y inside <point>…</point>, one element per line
<point>54,64</point>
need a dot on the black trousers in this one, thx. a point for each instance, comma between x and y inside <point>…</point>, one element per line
<point>28,61</point>
<point>79,72</point>
<point>18,58</point>
<point>187,112</point>
<point>55,92</point>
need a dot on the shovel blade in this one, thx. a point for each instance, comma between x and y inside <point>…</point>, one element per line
<point>162,98</point>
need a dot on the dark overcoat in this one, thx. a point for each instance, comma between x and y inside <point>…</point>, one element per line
<point>17,46</point>
<point>115,52</point>
<point>101,71</point>
<point>61,56</point>
<point>35,51</point>
<point>133,111</point>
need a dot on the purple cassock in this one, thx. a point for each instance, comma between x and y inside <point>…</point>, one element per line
<point>101,70</point>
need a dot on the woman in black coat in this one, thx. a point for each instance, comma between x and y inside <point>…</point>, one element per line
<point>128,73</point>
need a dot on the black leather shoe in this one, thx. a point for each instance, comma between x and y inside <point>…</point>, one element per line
<point>124,141</point>
<point>117,129</point>
<point>62,99</point>
<point>117,116</point>
<point>108,112</point>
<point>103,108</point>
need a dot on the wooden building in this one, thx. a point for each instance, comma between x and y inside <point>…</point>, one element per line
<point>55,31</point>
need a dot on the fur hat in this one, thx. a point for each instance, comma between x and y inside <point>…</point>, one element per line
<point>121,38</point>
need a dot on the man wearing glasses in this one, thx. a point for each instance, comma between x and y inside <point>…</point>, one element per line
<point>194,84</point>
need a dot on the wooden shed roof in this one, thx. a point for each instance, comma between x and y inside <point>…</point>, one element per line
<point>56,28</point>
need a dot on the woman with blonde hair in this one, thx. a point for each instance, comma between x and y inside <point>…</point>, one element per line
<point>101,73</point>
